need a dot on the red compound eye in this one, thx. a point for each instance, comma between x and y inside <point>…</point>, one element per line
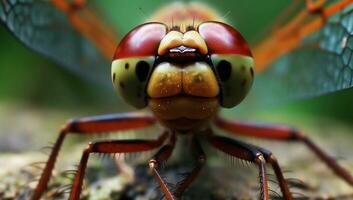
<point>223,39</point>
<point>141,41</point>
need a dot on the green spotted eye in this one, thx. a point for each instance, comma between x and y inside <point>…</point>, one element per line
<point>129,76</point>
<point>133,62</point>
<point>236,75</point>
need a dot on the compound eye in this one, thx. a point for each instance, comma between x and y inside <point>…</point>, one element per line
<point>221,38</point>
<point>141,41</point>
<point>232,59</point>
<point>133,62</point>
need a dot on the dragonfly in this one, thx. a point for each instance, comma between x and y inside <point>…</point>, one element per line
<point>308,50</point>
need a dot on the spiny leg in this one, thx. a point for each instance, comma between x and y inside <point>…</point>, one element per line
<point>284,133</point>
<point>87,126</point>
<point>161,156</point>
<point>200,158</point>
<point>270,158</point>
<point>108,147</point>
<point>245,152</point>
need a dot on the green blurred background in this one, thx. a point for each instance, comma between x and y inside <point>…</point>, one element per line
<point>32,85</point>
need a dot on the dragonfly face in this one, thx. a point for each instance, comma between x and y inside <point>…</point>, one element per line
<point>183,74</point>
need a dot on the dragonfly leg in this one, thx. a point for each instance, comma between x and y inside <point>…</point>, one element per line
<point>200,158</point>
<point>245,152</point>
<point>271,159</point>
<point>88,126</point>
<point>158,159</point>
<point>284,133</point>
<point>111,147</point>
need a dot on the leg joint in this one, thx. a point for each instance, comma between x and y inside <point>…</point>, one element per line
<point>272,159</point>
<point>268,155</point>
<point>297,134</point>
<point>90,147</point>
<point>68,126</point>
<point>153,164</point>
<point>259,159</point>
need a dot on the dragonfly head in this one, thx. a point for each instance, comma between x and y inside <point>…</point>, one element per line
<point>211,60</point>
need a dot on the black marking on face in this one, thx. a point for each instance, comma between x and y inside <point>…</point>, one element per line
<point>122,85</point>
<point>142,69</point>
<point>126,66</point>
<point>252,72</point>
<point>114,77</point>
<point>224,69</point>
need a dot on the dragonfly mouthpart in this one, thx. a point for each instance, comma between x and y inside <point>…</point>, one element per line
<point>182,49</point>
<point>183,55</point>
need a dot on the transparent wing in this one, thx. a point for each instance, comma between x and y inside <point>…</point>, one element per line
<point>68,37</point>
<point>310,55</point>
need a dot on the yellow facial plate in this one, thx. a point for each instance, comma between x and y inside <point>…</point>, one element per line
<point>190,39</point>
<point>196,79</point>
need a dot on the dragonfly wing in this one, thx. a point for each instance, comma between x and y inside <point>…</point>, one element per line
<point>310,60</point>
<point>46,29</point>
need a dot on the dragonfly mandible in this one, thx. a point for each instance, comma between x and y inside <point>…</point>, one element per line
<point>320,35</point>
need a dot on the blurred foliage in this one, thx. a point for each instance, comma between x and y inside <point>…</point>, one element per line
<point>248,18</point>
<point>29,78</point>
